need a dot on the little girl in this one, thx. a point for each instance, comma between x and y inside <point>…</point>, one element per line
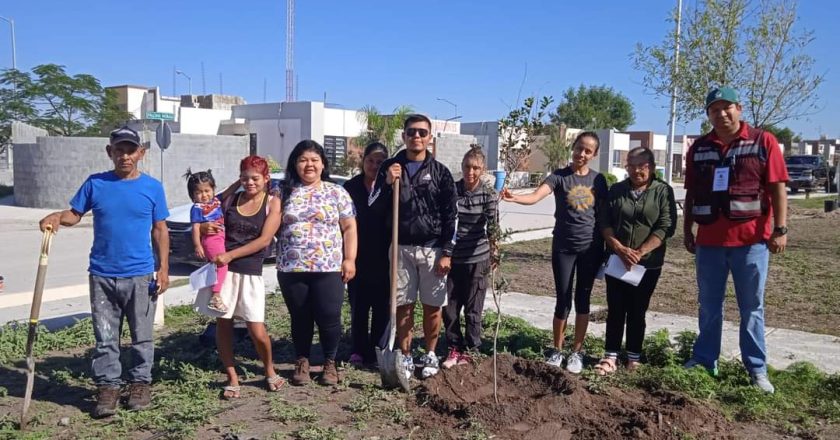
<point>207,208</point>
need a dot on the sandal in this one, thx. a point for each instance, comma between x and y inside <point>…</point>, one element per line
<point>230,392</point>
<point>216,304</point>
<point>605,366</point>
<point>274,383</point>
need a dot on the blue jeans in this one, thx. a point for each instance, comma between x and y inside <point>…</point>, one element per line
<point>748,265</point>
<point>111,299</point>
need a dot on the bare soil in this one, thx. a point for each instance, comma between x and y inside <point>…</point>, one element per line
<point>543,402</point>
<point>803,285</point>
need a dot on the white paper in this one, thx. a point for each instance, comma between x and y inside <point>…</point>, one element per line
<point>617,269</point>
<point>205,276</point>
<point>721,182</point>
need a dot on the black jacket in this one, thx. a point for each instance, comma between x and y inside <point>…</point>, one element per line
<point>373,230</point>
<point>428,203</point>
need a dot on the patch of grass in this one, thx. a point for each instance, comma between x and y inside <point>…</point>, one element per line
<point>13,339</point>
<point>370,399</point>
<point>285,412</point>
<point>516,336</point>
<point>313,432</point>
<point>184,318</point>
<point>811,203</point>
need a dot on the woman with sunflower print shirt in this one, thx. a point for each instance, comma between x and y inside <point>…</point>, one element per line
<point>577,248</point>
<point>316,254</point>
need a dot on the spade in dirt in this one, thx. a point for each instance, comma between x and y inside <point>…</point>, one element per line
<point>34,314</point>
<point>391,360</point>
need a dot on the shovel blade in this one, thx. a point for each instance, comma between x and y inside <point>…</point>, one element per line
<point>391,369</point>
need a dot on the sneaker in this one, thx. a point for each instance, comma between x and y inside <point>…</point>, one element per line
<point>301,374</point>
<point>329,376</point>
<point>763,382</point>
<point>555,359</point>
<point>452,358</point>
<point>139,396</point>
<point>465,358</point>
<point>693,363</point>
<point>430,365</point>
<point>408,365</point>
<point>106,402</point>
<point>356,360</point>
<point>574,364</point>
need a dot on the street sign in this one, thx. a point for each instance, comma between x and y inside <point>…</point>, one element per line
<point>163,135</point>
<point>160,115</point>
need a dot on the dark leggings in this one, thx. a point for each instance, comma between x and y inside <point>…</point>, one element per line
<point>628,303</point>
<point>564,265</point>
<point>466,288</point>
<point>313,298</point>
<point>369,300</point>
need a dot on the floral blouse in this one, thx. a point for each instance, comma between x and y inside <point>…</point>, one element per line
<point>310,233</point>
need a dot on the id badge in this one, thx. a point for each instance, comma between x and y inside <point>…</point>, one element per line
<point>721,182</point>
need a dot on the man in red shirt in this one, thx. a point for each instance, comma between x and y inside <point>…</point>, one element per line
<point>735,182</point>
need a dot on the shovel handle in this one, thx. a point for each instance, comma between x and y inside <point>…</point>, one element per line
<point>46,242</point>
<point>395,218</point>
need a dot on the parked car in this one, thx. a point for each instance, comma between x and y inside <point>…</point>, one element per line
<point>809,173</point>
<point>181,248</point>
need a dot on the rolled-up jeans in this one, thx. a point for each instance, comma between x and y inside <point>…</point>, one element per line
<point>111,299</point>
<point>748,265</point>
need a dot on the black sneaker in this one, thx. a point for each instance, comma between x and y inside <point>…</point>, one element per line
<point>106,402</point>
<point>139,396</point>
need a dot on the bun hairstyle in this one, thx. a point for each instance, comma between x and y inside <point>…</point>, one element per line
<point>476,153</point>
<point>197,178</point>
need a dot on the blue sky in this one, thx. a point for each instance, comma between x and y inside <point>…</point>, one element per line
<point>382,53</point>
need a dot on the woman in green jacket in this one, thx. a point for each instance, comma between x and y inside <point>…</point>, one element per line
<point>639,215</point>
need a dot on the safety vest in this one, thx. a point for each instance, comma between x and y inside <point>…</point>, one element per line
<point>744,197</point>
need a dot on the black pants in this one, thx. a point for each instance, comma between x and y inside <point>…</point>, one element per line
<point>466,287</point>
<point>628,304</point>
<point>369,301</point>
<point>565,266</point>
<point>313,297</point>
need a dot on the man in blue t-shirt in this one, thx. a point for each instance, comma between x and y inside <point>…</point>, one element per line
<point>127,206</point>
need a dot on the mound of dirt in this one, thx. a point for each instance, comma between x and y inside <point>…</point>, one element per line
<point>543,402</point>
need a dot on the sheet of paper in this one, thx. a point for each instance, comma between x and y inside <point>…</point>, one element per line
<point>616,269</point>
<point>205,276</point>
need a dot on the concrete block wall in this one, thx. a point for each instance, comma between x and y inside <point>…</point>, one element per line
<point>450,149</point>
<point>48,173</point>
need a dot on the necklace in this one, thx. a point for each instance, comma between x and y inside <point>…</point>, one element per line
<point>239,205</point>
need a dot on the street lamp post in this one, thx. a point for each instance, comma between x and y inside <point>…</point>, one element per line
<point>189,80</point>
<point>450,103</point>
<point>14,50</point>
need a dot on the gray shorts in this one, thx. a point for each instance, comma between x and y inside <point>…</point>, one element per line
<point>416,276</point>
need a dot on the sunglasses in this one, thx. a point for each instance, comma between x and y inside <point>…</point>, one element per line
<point>411,132</point>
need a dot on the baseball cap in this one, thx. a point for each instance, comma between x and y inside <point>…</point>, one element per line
<point>125,134</point>
<point>721,94</point>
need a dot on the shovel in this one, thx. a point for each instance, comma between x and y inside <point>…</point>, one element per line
<point>34,313</point>
<point>391,360</point>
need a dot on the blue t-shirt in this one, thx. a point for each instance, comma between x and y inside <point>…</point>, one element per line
<point>207,212</point>
<point>124,211</point>
<point>412,166</point>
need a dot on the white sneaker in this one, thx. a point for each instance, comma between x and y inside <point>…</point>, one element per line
<point>555,359</point>
<point>574,364</point>
<point>763,382</point>
<point>408,366</point>
<point>430,365</point>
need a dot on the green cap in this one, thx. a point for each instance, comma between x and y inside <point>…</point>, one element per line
<point>721,94</point>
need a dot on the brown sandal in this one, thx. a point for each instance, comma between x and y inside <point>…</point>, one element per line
<point>274,383</point>
<point>633,365</point>
<point>216,304</point>
<point>605,366</point>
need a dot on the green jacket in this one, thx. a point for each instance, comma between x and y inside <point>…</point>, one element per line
<point>633,221</point>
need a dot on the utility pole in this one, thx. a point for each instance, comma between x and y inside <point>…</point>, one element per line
<point>669,151</point>
<point>290,51</point>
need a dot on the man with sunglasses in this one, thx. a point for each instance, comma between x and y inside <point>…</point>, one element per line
<point>427,214</point>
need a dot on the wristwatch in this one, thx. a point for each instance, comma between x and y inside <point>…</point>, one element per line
<point>780,230</point>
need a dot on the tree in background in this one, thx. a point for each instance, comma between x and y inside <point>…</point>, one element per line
<point>753,46</point>
<point>594,107</point>
<point>62,104</point>
<point>556,147</point>
<point>382,128</point>
<point>785,136</point>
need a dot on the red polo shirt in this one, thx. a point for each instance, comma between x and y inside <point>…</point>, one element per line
<point>725,232</point>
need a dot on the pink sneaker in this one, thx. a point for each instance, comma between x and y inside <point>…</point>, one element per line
<point>452,358</point>
<point>356,359</point>
<point>464,358</point>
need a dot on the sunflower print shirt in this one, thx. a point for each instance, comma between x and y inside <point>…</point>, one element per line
<point>310,233</point>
